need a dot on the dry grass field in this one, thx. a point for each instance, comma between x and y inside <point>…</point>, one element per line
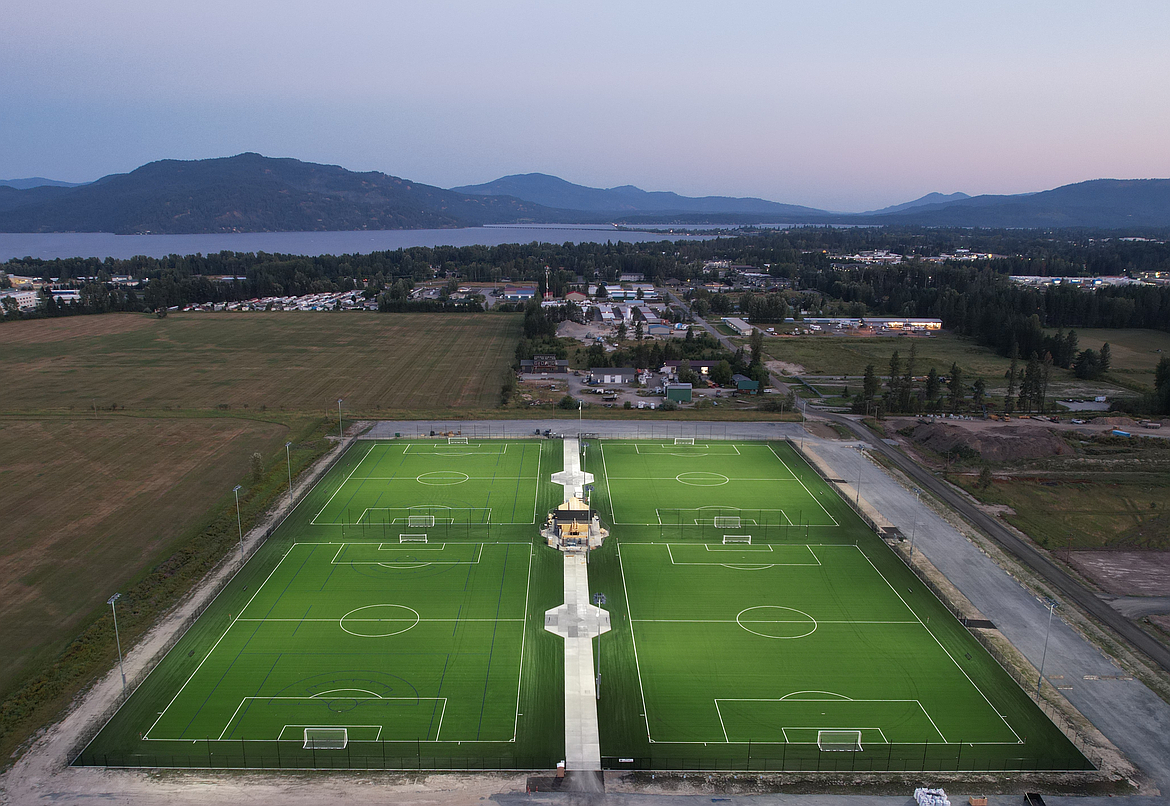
<point>1134,353</point>
<point>848,355</point>
<point>277,361</point>
<point>88,504</point>
<point>134,500</point>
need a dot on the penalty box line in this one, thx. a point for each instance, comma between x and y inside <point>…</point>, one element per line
<point>921,707</point>
<point>814,564</point>
<point>407,547</point>
<point>319,698</point>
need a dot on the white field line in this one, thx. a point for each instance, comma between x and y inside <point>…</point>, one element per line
<point>609,490</point>
<point>341,486</point>
<point>216,644</point>
<point>944,649</point>
<point>633,642</point>
<point>806,489</point>
<point>720,713</point>
<point>411,620</point>
<point>536,492</point>
<point>523,636</point>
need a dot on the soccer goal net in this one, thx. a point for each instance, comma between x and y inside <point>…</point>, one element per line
<point>326,738</point>
<point>848,741</point>
<point>456,440</point>
<point>727,522</point>
<point>412,538</point>
<point>737,539</point>
<point>420,521</point>
<point>684,440</point>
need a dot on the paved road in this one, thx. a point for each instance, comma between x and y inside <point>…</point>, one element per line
<point>1021,549</point>
<point>1125,710</point>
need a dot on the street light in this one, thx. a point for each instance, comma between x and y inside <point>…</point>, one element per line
<point>1051,607</point>
<point>239,521</point>
<point>288,456</point>
<point>914,528</point>
<point>117,638</point>
<point>340,432</point>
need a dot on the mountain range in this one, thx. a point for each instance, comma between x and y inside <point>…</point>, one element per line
<point>253,193</point>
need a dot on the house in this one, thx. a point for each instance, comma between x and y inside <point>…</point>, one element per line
<point>605,375</point>
<point>702,366</point>
<point>678,392</point>
<point>545,363</point>
<point>745,384</point>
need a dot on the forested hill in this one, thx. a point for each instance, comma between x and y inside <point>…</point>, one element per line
<point>253,193</point>
<point>552,191</point>
<point>1100,203</point>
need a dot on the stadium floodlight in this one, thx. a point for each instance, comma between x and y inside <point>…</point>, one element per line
<point>340,432</point>
<point>117,638</point>
<point>288,456</point>
<point>1050,603</point>
<point>239,521</point>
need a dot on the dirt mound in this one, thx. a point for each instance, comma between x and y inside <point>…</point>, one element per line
<point>1114,421</point>
<point>1002,444</point>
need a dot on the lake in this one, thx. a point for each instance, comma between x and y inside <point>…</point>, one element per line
<point>51,245</point>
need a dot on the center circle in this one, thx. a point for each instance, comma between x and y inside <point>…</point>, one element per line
<point>442,478</point>
<point>773,621</point>
<point>702,478</point>
<point>379,620</point>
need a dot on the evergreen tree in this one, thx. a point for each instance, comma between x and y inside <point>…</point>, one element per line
<point>955,387</point>
<point>933,384</point>
<point>1106,357</point>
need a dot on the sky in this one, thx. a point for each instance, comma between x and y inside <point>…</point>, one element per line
<point>838,105</point>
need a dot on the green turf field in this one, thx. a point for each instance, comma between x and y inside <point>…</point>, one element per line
<point>395,620</point>
<point>402,601</point>
<point>811,647</point>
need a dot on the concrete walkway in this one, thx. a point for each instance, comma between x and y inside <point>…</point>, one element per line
<point>577,622</point>
<point>573,478</point>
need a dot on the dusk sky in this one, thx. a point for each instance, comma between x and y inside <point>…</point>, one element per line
<point>839,105</point>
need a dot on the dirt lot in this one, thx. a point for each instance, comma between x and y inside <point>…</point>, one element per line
<point>1126,573</point>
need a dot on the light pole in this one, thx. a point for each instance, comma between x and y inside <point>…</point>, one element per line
<point>239,521</point>
<point>117,638</point>
<point>1044,655</point>
<point>340,432</point>
<point>580,408</point>
<point>288,456</point>
<point>914,528</point>
<point>857,498</point>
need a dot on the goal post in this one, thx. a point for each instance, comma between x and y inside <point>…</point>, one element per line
<point>840,741</point>
<point>326,738</point>
<point>416,538</point>
<point>420,521</point>
<point>456,440</point>
<point>727,522</point>
<point>684,440</point>
<point>737,539</point>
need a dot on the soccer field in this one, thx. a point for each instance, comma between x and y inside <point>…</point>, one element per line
<point>310,648</point>
<point>395,620</point>
<point>760,624</point>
